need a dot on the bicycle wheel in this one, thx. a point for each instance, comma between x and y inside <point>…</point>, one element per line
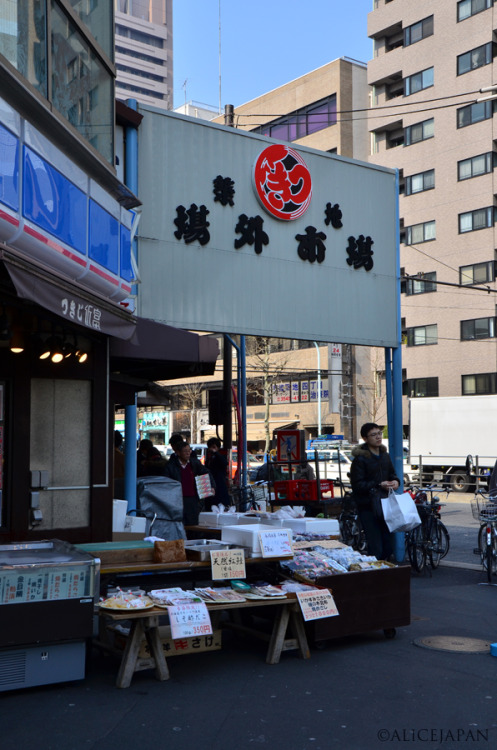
<point>416,549</point>
<point>445,539</point>
<point>435,544</point>
<point>348,530</point>
<point>488,555</point>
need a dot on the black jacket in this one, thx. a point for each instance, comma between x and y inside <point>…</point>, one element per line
<point>173,468</point>
<point>366,474</point>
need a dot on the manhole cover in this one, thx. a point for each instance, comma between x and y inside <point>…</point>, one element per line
<point>454,643</point>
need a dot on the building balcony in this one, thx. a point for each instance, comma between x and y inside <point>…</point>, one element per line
<point>383,18</point>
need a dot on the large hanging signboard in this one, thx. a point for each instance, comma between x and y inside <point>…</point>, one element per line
<point>241,234</point>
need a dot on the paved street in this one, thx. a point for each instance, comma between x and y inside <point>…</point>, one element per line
<point>462,527</point>
<point>360,693</point>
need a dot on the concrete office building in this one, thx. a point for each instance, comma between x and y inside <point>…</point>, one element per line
<point>144,51</point>
<point>429,119</point>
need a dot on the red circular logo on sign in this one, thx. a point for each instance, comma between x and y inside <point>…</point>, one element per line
<point>282,182</point>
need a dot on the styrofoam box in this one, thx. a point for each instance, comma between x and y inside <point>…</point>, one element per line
<point>313,525</point>
<point>246,535</point>
<point>207,518</point>
<point>119,508</point>
<point>135,524</point>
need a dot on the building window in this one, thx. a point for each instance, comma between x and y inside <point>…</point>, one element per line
<point>139,36</point>
<point>23,40</point>
<point>139,90</point>
<point>422,335</point>
<point>417,183</point>
<point>477,273</point>
<point>479,328</point>
<point>418,233</point>
<point>98,19</point>
<point>302,122</point>
<point>418,81</point>
<point>140,73</point>
<point>140,56</point>
<point>479,385</point>
<point>421,131</point>
<point>475,58</point>
<point>82,86</point>
<point>421,387</point>
<point>467,8</point>
<point>418,31</point>
<point>472,221</point>
<point>476,166</point>
<point>422,285</point>
<point>474,113</point>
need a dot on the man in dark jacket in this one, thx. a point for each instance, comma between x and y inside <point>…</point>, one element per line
<point>372,475</point>
<point>184,466</point>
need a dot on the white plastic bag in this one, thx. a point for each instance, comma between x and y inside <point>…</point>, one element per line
<point>400,512</point>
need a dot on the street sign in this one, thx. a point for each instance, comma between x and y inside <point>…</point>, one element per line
<point>288,447</point>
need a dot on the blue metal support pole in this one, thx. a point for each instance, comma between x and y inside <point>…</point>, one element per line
<point>396,417</point>
<point>241,381</point>
<point>243,408</point>
<point>130,412</point>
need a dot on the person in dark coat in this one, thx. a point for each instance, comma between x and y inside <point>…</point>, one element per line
<point>268,472</point>
<point>149,462</point>
<point>217,463</point>
<point>372,475</point>
<point>184,466</point>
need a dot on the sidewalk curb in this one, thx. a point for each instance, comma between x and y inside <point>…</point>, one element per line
<point>465,566</point>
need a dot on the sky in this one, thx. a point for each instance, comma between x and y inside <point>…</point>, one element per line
<point>264,44</point>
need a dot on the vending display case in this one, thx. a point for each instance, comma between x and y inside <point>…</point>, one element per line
<point>47,600</point>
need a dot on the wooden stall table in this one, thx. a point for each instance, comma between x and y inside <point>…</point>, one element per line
<point>289,614</point>
<point>145,623</point>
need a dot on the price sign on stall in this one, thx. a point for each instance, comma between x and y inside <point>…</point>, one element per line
<point>227,563</point>
<point>277,543</point>
<point>189,620</point>
<point>317,604</point>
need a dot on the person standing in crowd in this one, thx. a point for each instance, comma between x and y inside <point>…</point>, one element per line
<point>304,471</point>
<point>372,475</point>
<point>268,472</point>
<point>118,456</point>
<point>217,463</point>
<point>175,439</point>
<point>149,462</point>
<point>184,466</point>
<point>118,466</point>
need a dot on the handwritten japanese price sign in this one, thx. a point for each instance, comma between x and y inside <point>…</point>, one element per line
<point>227,563</point>
<point>188,620</point>
<point>277,543</point>
<point>317,604</point>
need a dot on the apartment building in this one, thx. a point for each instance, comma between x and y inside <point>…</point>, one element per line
<point>144,51</point>
<point>430,120</point>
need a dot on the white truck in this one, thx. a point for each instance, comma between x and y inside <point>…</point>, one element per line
<point>453,439</point>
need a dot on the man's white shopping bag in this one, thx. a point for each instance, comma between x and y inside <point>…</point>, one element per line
<point>400,512</point>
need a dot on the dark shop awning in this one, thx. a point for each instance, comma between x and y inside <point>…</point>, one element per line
<point>67,299</point>
<point>160,352</point>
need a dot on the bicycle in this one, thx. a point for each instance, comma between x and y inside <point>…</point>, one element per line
<point>484,508</point>
<point>351,531</point>
<point>249,497</point>
<point>430,540</point>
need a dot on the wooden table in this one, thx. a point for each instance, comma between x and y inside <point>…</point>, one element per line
<point>143,623</point>
<point>146,623</point>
